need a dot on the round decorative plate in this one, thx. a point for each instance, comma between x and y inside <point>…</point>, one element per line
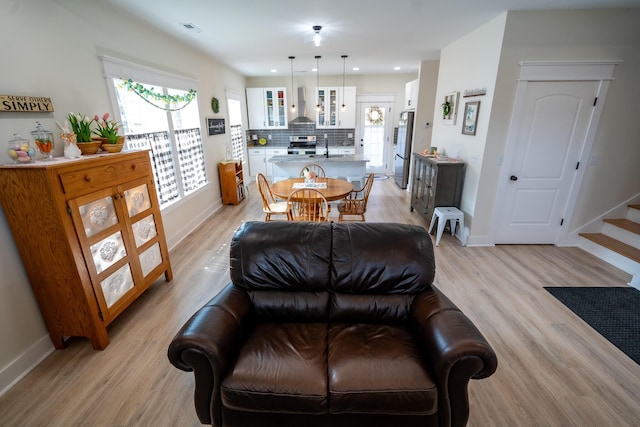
<point>262,141</point>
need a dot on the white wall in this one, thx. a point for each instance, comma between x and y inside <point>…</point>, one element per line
<point>607,34</point>
<point>51,49</point>
<point>472,61</point>
<point>425,109</point>
<point>468,63</point>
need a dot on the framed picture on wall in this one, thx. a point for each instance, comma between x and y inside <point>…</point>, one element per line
<point>470,118</point>
<point>450,108</point>
<point>215,126</point>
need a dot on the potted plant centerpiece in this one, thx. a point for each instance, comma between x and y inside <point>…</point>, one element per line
<point>107,132</point>
<point>81,126</point>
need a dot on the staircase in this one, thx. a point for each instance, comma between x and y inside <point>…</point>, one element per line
<point>618,243</point>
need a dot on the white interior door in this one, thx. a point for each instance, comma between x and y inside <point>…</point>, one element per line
<point>550,131</point>
<point>373,138</point>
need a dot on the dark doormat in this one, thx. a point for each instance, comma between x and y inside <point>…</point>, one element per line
<point>613,312</point>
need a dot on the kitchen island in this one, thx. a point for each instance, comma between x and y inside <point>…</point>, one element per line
<point>353,168</point>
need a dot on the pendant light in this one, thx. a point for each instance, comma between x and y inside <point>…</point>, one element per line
<point>318,82</point>
<point>293,106</point>
<point>344,59</point>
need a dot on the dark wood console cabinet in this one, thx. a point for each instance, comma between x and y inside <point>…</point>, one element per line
<point>435,182</point>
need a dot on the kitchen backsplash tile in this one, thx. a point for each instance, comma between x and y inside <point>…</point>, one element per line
<point>280,137</point>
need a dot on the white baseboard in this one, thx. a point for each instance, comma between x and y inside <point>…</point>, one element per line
<point>23,364</point>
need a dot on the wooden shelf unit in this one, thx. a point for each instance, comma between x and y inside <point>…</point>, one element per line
<point>231,182</point>
<point>90,235</point>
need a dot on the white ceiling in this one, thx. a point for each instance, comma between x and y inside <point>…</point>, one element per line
<point>255,36</point>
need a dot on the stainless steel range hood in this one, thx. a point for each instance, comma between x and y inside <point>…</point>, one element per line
<point>302,118</point>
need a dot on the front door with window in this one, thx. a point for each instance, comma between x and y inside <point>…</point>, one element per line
<point>373,138</point>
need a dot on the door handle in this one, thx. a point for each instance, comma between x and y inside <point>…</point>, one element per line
<point>513,178</point>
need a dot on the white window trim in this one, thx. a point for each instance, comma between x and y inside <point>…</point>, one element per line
<point>122,69</point>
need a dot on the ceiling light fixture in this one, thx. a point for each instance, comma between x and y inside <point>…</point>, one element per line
<point>344,60</point>
<point>293,106</point>
<point>315,37</point>
<point>318,82</point>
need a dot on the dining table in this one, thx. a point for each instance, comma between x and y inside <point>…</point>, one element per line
<point>331,188</point>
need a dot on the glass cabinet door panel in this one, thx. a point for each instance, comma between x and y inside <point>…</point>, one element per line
<point>116,285</point>
<point>270,108</point>
<point>137,199</point>
<point>98,215</point>
<point>281,109</point>
<point>333,107</point>
<point>108,251</point>
<point>144,230</point>
<point>150,259</point>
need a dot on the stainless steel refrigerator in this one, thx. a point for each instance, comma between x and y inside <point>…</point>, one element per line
<point>403,149</point>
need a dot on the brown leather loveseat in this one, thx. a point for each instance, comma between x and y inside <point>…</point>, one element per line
<point>331,324</point>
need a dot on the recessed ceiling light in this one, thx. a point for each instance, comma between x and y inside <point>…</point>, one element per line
<point>191,27</point>
<point>314,69</point>
<point>396,68</point>
<point>356,68</point>
<point>273,70</point>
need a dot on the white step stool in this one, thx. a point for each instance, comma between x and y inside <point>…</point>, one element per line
<point>445,214</point>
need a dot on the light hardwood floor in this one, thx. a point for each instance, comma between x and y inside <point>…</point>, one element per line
<point>553,369</point>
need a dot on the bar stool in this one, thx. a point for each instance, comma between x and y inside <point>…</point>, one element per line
<point>444,214</point>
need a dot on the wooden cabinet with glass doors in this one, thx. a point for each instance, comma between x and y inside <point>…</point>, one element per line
<point>435,182</point>
<point>90,236</point>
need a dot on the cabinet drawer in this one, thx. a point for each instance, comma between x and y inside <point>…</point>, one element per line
<point>256,151</point>
<point>107,174</point>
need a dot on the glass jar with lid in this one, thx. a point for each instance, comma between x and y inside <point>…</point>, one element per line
<point>44,141</point>
<point>20,151</point>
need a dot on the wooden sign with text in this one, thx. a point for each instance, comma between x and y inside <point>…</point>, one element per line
<point>34,104</point>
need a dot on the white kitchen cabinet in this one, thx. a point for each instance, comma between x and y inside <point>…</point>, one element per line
<point>411,95</point>
<point>348,116</point>
<point>257,163</point>
<point>259,160</point>
<point>330,115</point>
<point>267,108</point>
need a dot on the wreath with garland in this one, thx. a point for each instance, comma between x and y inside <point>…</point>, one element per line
<point>164,102</point>
<point>375,116</point>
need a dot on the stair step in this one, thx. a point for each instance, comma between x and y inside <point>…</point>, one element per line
<point>634,207</point>
<point>614,245</point>
<point>625,224</point>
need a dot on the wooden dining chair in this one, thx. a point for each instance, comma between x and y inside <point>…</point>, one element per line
<point>355,204</point>
<point>270,205</point>
<point>315,168</point>
<point>308,204</point>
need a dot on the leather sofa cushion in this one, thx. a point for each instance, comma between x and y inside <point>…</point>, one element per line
<point>277,306</point>
<point>281,368</point>
<point>377,369</point>
<point>351,308</point>
<point>281,256</point>
<point>404,264</point>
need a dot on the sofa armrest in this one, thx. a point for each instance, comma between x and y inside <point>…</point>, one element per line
<point>455,349</point>
<point>207,345</point>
